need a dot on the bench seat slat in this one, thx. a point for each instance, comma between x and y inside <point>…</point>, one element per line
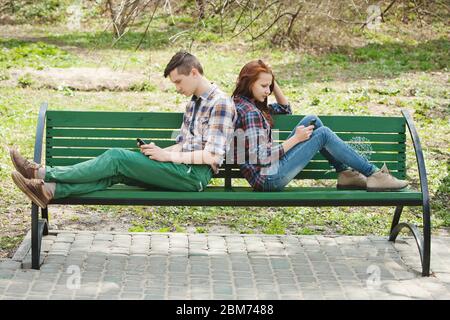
<point>238,195</point>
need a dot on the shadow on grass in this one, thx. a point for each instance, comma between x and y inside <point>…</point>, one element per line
<point>370,61</point>
<point>155,39</point>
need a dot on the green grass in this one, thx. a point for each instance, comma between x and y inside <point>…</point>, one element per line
<point>381,77</point>
<point>37,55</point>
<point>10,242</point>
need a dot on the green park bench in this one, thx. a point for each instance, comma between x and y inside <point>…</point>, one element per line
<point>75,136</point>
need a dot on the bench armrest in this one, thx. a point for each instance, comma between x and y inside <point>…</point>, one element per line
<point>419,155</point>
<point>40,133</point>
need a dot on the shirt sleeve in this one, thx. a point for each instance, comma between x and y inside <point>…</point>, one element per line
<point>180,138</point>
<point>261,149</point>
<point>276,108</point>
<point>220,129</point>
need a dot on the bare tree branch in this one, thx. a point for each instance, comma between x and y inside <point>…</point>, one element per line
<point>148,25</point>
<point>272,24</point>
<point>291,23</point>
<point>256,18</point>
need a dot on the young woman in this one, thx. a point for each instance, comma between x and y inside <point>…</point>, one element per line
<point>255,83</point>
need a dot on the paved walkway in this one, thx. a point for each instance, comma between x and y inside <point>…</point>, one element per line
<point>97,265</point>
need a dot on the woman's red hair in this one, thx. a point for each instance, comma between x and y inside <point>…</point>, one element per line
<point>247,77</point>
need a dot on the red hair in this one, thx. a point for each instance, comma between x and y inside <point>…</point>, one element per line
<point>247,77</point>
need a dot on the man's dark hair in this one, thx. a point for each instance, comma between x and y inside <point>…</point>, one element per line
<point>184,62</point>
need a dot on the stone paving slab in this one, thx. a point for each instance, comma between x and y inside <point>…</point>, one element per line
<point>156,266</point>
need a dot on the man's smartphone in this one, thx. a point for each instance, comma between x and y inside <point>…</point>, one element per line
<point>141,142</point>
<point>312,123</point>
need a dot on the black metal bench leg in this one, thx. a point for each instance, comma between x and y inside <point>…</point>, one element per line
<point>426,239</point>
<point>423,243</point>
<point>395,220</point>
<point>45,216</point>
<point>35,243</point>
<point>38,229</point>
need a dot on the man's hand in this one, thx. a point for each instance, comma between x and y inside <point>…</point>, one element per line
<point>155,153</point>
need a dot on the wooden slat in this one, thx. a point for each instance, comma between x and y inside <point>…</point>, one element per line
<point>61,161</point>
<point>103,143</point>
<point>172,120</point>
<point>101,119</point>
<point>310,174</point>
<point>346,123</point>
<point>130,143</point>
<point>108,133</point>
<point>325,166</point>
<point>168,134</point>
<point>313,167</point>
<point>238,195</point>
<point>379,156</point>
<point>371,137</point>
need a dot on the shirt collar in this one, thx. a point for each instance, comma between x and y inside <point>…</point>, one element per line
<point>246,99</point>
<point>206,94</point>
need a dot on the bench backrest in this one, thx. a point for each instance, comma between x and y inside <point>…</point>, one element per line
<point>76,136</point>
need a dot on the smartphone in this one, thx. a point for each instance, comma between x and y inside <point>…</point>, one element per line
<point>141,142</point>
<point>313,123</point>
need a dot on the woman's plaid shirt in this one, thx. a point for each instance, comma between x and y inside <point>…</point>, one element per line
<point>259,151</point>
<point>208,124</point>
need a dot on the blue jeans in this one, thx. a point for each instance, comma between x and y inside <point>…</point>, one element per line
<point>339,154</point>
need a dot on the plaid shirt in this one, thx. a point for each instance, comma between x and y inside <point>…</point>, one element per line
<point>258,141</point>
<point>209,124</point>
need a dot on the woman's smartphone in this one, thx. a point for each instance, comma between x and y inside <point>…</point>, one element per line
<point>313,123</point>
<point>141,142</point>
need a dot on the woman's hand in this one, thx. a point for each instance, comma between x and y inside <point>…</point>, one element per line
<point>303,133</point>
<point>279,96</point>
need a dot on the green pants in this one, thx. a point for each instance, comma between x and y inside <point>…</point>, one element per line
<point>127,167</point>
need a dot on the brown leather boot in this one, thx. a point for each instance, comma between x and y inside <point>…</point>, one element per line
<point>33,188</point>
<point>351,180</point>
<point>28,169</point>
<point>383,181</point>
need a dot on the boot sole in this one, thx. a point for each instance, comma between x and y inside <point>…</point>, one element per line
<point>18,181</point>
<point>384,189</point>
<point>340,187</point>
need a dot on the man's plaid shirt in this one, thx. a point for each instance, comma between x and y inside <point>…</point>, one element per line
<point>259,145</point>
<point>212,127</point>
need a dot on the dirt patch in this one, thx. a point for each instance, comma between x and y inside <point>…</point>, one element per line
<point>74,218</point>
<point>82,79</point>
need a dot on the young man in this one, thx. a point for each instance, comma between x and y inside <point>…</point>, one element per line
<point>188,165</point>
